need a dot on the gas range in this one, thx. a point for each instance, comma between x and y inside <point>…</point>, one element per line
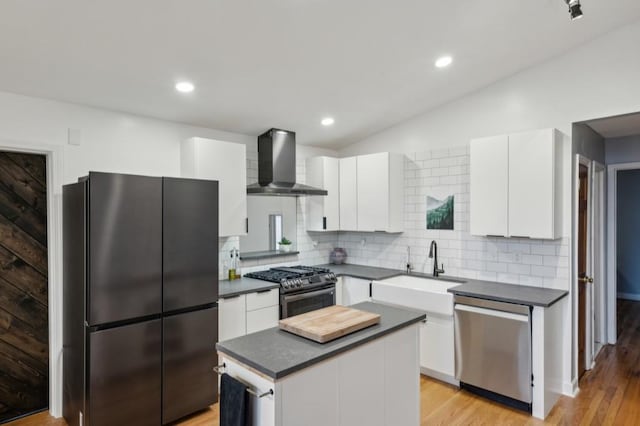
<point>296,279</point>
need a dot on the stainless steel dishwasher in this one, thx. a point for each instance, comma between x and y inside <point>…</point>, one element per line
<point>493,349</point>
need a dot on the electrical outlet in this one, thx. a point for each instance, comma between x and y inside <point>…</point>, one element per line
<point>363,242</point>
<point>518,257</point>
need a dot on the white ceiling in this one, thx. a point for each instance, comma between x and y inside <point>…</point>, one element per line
<point>283,63</point>
<point>617,127</point>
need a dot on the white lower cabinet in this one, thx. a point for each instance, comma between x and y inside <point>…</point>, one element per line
<point>248,313</point>
<point>261,319</point>
<point>355,290</point>
<point>232,321</point>
<point>437,355</point>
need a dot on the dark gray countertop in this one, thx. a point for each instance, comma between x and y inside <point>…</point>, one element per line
<point>277,353</point>
<point>243,286</point>
<point>523,295</point>
<point>360,271</point>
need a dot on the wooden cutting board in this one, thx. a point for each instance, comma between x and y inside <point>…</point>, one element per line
<point>327,324</point>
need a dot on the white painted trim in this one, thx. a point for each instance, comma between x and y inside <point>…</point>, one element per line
<point>629,296</point>
<point>54,154</point>
<point>439,376</point>
<point>599,254</point>
<point>612,284</point>
<point>571,389</point>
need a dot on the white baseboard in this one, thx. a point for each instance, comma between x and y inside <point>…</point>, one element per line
<point>439,376</point>
<point>570,388</point>
<point>629,296</point>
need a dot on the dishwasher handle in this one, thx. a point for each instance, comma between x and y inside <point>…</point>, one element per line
<point>492,313</point>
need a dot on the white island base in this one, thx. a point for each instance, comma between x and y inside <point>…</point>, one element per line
<point>377,383</point>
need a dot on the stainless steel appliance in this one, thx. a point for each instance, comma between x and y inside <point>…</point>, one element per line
<point>140,293</point>
<point>302,288</point>
<point>277,166</point>
<point>493,349</point>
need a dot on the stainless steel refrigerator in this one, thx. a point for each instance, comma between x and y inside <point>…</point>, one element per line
<point>140,296</point>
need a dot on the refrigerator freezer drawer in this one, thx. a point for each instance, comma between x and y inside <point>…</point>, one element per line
<point>124,375</point>
<point>189,382</point>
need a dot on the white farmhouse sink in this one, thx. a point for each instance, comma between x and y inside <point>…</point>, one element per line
<point>424,294</point>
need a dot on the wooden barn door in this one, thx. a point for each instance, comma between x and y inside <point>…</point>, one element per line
<point>24,334</point>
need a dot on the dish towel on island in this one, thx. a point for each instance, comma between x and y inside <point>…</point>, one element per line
<point>233,401</point>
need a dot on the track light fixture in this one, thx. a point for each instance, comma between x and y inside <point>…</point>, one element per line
<point>575,10</point>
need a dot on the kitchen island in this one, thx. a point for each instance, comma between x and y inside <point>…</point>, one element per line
<point>367,377</point>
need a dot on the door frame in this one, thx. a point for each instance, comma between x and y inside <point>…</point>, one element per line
<point>54,156</point>
<point>612,279</point>
<point>598,254</point>
<point>580,160</point>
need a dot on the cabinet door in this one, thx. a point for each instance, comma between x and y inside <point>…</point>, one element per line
<point>331,171</point>
<point>226,163</point>
<point>531,184</point>
<point>233,320</point>
<point>489,186</point>
<point>323,213</point>
<point>355,290</point>
<point>340,291</point>
<point>261,319</point>
<point>373,192</point>
<point>436,345</point>
<point>360,369</point>
<point>348,194</point>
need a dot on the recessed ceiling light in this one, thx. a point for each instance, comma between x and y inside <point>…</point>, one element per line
<point>328,121</point>
<point>184,87</point>
<point>444,61</point>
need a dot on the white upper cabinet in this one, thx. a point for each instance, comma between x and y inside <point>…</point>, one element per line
<point>225,162</point>
<point>515,185</point>
<point>323,212</point>
<point>380,192</point>
<point>489,186</point>
<point>370,193</point>
<point>348,194</point>
<point>534,184</point>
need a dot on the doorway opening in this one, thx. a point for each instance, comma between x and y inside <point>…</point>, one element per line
<point>24,293</point>
<point>605,272</point>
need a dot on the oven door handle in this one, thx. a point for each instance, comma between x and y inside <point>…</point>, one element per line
<point>295,297</point>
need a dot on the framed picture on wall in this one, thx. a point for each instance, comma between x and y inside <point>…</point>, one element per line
<point>440,206</point>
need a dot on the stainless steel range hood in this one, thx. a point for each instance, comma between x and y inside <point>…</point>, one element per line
<point>277,166</point>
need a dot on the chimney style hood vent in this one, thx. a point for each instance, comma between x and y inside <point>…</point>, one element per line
<point>277,166</point>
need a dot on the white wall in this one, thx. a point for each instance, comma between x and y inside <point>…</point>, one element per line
<point>628,225</point>
<point>622,150</point>
<point>111,141</point>
<point>598,79</point>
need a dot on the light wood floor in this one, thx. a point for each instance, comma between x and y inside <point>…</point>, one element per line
<point>610,393</point>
